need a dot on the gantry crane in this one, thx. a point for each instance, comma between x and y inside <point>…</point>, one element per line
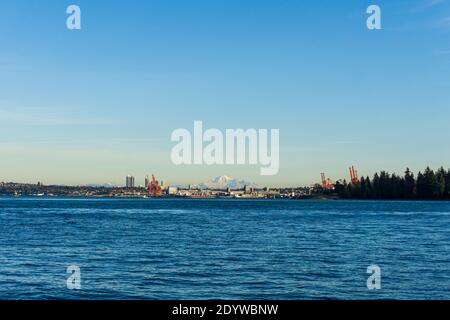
<point>153,187</point>
<point>326,183</point>
<point>354,175</point>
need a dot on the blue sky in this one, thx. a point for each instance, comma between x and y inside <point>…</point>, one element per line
<point>94,105</point>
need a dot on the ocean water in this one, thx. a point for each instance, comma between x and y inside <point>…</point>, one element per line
<point>223,249</point>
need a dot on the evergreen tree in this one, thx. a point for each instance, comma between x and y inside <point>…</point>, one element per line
<point>447,184</point>
<point>427,185</point>
<point>420,185</point>
<point>369,188</point>
<point>440,181</point>
<point>340,189</point>
<point>410,184</point>
<point>363,188</point>
<point>384,185</point>
<point>376,186</point>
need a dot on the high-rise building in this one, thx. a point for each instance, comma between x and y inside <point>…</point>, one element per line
<point>129,182</point>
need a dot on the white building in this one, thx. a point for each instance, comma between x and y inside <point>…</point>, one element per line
<point>172,190</point>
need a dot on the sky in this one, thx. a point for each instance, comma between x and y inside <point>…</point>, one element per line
<point>94,105</point>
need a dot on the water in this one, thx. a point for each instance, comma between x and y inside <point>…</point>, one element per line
<point>223,249</point>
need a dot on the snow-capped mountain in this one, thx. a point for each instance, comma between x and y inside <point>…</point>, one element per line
<point>104,185</point>
<point>224,182</point>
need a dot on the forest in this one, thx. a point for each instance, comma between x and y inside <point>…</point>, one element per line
<point>427,185</point>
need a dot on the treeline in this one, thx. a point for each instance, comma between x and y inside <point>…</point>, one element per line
<point>429,185</point>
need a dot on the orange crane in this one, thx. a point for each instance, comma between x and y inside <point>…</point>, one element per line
<point>353,175</point>
<point>153,187</point>
<point>326,183</point>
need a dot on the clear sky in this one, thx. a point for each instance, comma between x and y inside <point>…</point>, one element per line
<point>94,105</point>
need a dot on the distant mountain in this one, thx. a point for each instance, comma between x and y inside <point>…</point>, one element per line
<point>224,182</point>
<point>105,185</point>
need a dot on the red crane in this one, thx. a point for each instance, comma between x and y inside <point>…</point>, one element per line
<point>353,175</point>
<point>326,183</point>
<point>153,187</point>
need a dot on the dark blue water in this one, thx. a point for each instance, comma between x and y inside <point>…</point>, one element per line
<point>223,249</point>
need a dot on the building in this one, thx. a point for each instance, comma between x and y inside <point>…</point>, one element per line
<point>129,181</point>
<point>172,191</point>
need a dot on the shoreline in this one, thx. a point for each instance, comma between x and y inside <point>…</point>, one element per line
<point>310,198</point>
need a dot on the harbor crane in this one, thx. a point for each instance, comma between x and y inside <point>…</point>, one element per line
<point>153,187</point>
<point>326,183</point>
<point>354,175</point>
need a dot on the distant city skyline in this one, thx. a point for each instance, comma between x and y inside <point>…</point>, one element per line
<point>92,106</point>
